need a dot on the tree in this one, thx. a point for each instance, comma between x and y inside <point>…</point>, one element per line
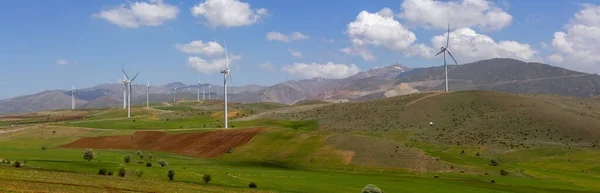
<point>370,188</point>
<point>503,172</point>
<point>44,148</point>
<point>139,153</point>
<point>494,162</point>
<point>252,185</point>
<point>88,154</point>
<point>122,172</point>
<point>139,173</point>
<point>206,178</point>
<point>127,158</point>
<point>171,174</point>
<point>163,163</point>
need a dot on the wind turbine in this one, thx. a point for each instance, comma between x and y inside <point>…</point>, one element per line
<point>226,75</point>
<point>124,81</point>
<point>73,97</point>
<point>203,92</point>
<point>174,91</point>
<point>147,94</point>
<point>198,88</point>
<point>217,93</point>
<point>128,82</point>
<point>444,50</point>
<point>209,87</point>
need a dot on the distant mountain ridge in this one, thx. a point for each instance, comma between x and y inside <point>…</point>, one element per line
<point>498,74</point>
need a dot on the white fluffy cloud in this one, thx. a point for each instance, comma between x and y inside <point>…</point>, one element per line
<point>482,14</point>
<point>294,36</point>
<point>295,53</point>
<point>329,70</point>
<point>579,46</point>
<point>377,29</point>
<point>152,13</point>
<point>228,13</point>
<point>215,65</point>
<point>468,46</point>
<point>62,61</point>
<point>267,66</point>
<point>210,48</point>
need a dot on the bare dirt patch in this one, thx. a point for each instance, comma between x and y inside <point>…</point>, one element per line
<point>201,144</point>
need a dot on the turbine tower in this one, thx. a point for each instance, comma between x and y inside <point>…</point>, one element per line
<point>124,81</point>
<point>226,75</point>
<point>174,91</point>
<point>73,97</point>
<point>128,85</point>
<point>198,88</point>
<point>446,50</point>
<point>217,93</point>
<point>209,87</point>
<point>147,94</point>
<point>203,92</point>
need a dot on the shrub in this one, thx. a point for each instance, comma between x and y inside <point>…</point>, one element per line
<point>139,173</point>
<point>149,156</point>
<point>127,158</point>
<point>477,154</point>
<point>229,150</point>
<point>148,164</point>
<point>370,188</point>
<point>88,154</point>
<point>53,132</point>
<point>17,164</point>
<point>494,162</point>
<point>252,185</point>
<point>110,173</point>
<point>206,178</point>
<point>102,171</point>
<point>122,172</point>
<point>436,176</point>
<point>163,163</point>
<point>139,153</point>
<point>171,174</point>
<point>437,158</point>
<point>503,172</point>
<point>44,148</point>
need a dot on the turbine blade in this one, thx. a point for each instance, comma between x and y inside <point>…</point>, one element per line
<point>439,52</point>
<point>452,57</point>
<point>135,76</point>
<point>226,56</point>
<point>127,76</point>
<point>448,37</point>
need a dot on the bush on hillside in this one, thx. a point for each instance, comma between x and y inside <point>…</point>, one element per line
<point>370,188</point>
<point>127,158</point>
<point>122,172</point>
<point>171,174</point>
<point>437,158</point>
<point>494,162</point>
<point>252,185</point>
<point>148,164</point>
<point>102,171</point>
<point>206,178</point>
<point>503,172</point>
<point>139,173</point>
<point>17,164</point>
<point>139,153</point>
<point>109,173</point>
<point>163,163</point>
<point>44,148</point>
<point>88,154</point>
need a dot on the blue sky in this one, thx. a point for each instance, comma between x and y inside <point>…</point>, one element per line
<point>46,45</point>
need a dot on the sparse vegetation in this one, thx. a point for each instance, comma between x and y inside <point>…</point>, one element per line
<point>122,172</point>
<point>503,172</point>
<point>252,185</point>
<point>88,154</point>
<point>206,178</point>
<point>494,162</point>
<point>163,163</point>
<point>43,148</point>
<point>127,158</point>
<point>148,164</point>
<point>102,171</point>
<point>171,174</point>
<point>370,188</point>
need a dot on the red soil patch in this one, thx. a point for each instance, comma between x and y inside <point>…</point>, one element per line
<point>201,144</point>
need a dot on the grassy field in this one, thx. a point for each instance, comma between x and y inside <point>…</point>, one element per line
<point>333,148</point>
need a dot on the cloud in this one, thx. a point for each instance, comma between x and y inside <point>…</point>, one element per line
<point>295,53</point>
<point>328,40</point>
<point>267,66</point>
<point>228,13</point>
<point>62,61</point>
<point>213,66</point>
<point>377,29</point>
<point>294,36</point>
<point>210,48</point>
<point>579,46</point>
<point>153,13</point>
<point>481,14</point>
<point>329,70</point>
<point>468,46</point>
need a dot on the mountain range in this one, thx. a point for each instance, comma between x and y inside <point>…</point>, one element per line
<point>498,74</point>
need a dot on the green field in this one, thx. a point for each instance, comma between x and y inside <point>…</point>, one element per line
<point>333,148</point>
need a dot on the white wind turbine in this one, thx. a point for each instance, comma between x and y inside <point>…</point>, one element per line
<point>128,82</point>
<point>446,50</point>
<point>147,93</point>
<point>174,91</point>
<point>226,75</point>
<point>73,97</point>
<point>209,87</point>
<point>198,88</point>
<point>124,81</point>
<point>203,91</point>
<point>217,93</point>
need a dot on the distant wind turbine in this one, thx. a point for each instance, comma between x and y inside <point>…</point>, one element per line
<point>226,75</point>
<point>446,50</point>
<point>147,93</point>
<point>217,93</point>
<point>73,97</point>
<point>174,91</point>
<point>128,82</point>
<point>209,87</point>
<point>124,81</point>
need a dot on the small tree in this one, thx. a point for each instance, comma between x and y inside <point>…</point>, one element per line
<point>206,178</point>
<point>171,174</point>
<point>494,162</point>
<point>122,172</point>
<point>17,164</point>
<point>139,173</point>
<point>139,153</point>
<point>102,171</point>
<point>127,158</point>
<point>503,172</point>
<point>437,158</point>
<point>252,185</point>
<point>88,154</point>
<point>43,148</point>
<point>370,188</point>
<point>148,164</point>
<point>163,163</point>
